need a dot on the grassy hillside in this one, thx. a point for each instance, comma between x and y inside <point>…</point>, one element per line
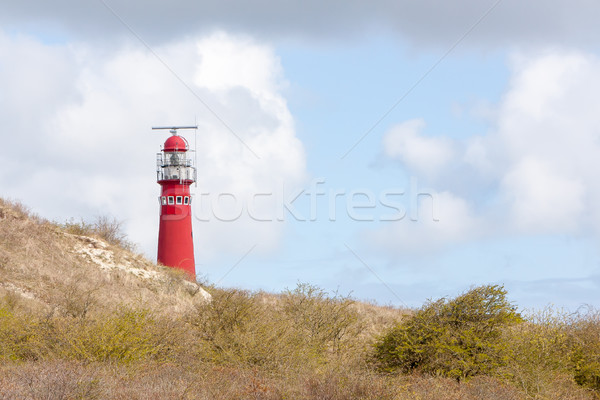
<point>72,269</point>
<point>82,316</point>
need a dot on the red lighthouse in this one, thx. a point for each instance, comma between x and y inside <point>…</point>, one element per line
<point>175,173</point>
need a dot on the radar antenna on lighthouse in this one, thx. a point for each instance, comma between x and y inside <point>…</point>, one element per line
<point>175,173</point>
<point>174,129</point>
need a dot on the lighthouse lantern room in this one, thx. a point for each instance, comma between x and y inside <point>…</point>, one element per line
<point>175,173</point>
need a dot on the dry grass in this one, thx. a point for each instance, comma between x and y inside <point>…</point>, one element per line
<point>81,318</point>
<point>71,380</point>
<point>61,272</point>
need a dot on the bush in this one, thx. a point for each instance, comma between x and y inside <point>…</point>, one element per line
<point>106,228</point>
<point>586,355</point>
<point>125,336</point>
<point>554,346</point>
<point>456,338</point>
<point>301,328</point>
<point>541,349</point>
<point>14,335</point>
<point>235,327</point>
<point>111,230</point>
<point>321,322</point>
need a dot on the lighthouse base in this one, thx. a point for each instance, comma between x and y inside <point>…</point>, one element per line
<point>175,243</point>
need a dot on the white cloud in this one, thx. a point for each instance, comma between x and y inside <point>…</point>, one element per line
<point>542,200</point>
<point>221,61</point>
<point>443,219</point>
<point>85,120</point>
<point>536,172</point>
<point>547,144</point>
<point>424,155</point>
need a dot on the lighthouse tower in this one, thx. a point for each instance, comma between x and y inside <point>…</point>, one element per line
<point>175,173</point>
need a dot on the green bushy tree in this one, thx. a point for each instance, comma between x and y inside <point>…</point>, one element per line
<point>456,338</point>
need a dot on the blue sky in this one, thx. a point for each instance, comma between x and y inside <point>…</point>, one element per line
<point>501,134</point>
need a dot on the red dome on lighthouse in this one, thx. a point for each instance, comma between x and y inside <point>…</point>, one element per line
<point>175,143</point>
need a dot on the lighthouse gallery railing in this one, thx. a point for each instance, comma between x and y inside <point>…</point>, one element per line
<point>174,166</point>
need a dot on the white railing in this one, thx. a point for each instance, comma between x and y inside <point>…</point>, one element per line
<point>174,167</point>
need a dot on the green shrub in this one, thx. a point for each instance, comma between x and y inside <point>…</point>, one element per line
<point>127,335</point>
<point>235,327</point>
<point>22,336</point>
<point>554,345</point>
<point>302,327</point>
<point>322,323</point>
<point>455,338</point>
<point>12,334</point>
<point>586,355</point>
<point>540,352</point>
<point>81,228</point>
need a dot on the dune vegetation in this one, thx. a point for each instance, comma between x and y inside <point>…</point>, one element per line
<point>82,316</point>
